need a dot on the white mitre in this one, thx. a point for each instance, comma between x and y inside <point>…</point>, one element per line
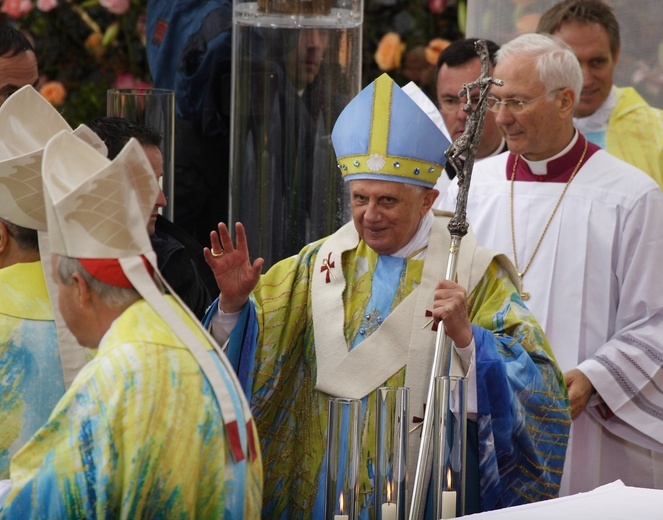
<point>97,208</point>
<point>97,211</point>
<point>27,122</point>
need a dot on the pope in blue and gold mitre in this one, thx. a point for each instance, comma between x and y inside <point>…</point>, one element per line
<point>383,134</point>
<point>352,313</point>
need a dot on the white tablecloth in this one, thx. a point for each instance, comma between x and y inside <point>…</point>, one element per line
<point>610,502</point>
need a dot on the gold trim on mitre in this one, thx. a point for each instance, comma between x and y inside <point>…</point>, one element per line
<point>390,166</point>
<point>97,208</point>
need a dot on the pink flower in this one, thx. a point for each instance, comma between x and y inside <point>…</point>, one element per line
<point>16,8</point>
<point>129,81</point>
<point>437,6</point>
<point>116,6</point>
<point>46,5</point>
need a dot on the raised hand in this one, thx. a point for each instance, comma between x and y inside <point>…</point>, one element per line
<point>235,275</point>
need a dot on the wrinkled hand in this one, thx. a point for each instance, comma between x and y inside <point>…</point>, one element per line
<point>450,307</point>
<point>235,276</point>
<point>580,390</point>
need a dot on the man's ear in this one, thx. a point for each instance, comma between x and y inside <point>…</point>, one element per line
<point>565,100</point>
<point>429,198</point>
<point>83,293</point>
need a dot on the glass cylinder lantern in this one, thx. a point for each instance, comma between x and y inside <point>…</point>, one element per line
<point>392,438</point>
<point>296,64</point>
<point>343,450</point>
<point>449,446</point>
<point>153,107</point>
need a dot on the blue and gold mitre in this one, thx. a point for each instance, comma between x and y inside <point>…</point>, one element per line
<point>382,134</point>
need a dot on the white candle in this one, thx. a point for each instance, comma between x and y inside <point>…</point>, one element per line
<point>448,504</point>
<point>340,507</point>
<point>388,511</point>
<point>448,500</point>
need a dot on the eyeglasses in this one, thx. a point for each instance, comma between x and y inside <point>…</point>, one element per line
<point>451,104</point>
<point>515,106</point>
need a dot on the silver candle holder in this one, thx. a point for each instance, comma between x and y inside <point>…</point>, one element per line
<point>449,447</point>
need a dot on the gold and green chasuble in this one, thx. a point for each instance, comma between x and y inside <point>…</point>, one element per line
<point>31,379</point>
<point>138,435</point>
<point>278,352</point>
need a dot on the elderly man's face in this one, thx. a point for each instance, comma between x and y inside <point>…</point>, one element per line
<point>450,80</point>
<point>387,214</point>
<point>544,125</point>
<point>16,72</point>
<point>591,46</point>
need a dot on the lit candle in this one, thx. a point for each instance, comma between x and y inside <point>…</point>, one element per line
<point>388,508</point>
<point>448,500</point>
<point>340,508</point>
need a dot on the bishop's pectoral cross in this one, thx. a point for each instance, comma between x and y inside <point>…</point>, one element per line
<point>523,294</point>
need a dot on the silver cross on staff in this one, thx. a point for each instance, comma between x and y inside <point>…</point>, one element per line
<point>467,144</point>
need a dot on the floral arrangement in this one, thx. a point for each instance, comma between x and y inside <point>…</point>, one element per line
<point>83,47</point>
<point>405,38</point>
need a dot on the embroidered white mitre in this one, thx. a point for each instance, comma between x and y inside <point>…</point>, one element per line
<point>27,122</point>
<point>97,208</point>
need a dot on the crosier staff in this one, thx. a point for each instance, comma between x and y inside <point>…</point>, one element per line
<point>467,144</point>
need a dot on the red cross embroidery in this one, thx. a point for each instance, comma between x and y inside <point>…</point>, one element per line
<point>417,420</point>
<point>327,265</point>
<point>429,314</point>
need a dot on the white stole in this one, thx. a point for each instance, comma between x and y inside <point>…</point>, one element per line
<point>405,337</point>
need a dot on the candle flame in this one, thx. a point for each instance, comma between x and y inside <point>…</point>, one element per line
<point>388,492</point>
<point>340,502</point>
<point>449,478</point>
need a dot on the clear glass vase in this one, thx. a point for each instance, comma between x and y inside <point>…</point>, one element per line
<point>392,438</point>
<point>296,64</point>
<point>343,450</point>
<point>449,446</point>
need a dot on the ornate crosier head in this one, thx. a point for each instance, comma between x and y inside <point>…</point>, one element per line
<point>468,143</point>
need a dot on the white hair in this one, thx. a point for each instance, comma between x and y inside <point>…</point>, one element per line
<point>555,61</point>
<point>114,297</point>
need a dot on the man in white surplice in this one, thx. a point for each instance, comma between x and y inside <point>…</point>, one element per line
<point>585,231</point>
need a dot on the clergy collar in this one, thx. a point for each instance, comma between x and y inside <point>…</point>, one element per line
<point>555,169</point>
<point>420,239</point>
<point>598,121</point>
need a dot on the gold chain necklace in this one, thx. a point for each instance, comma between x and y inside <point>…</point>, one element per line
<point>525,295</point>
<point>415,253</point>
